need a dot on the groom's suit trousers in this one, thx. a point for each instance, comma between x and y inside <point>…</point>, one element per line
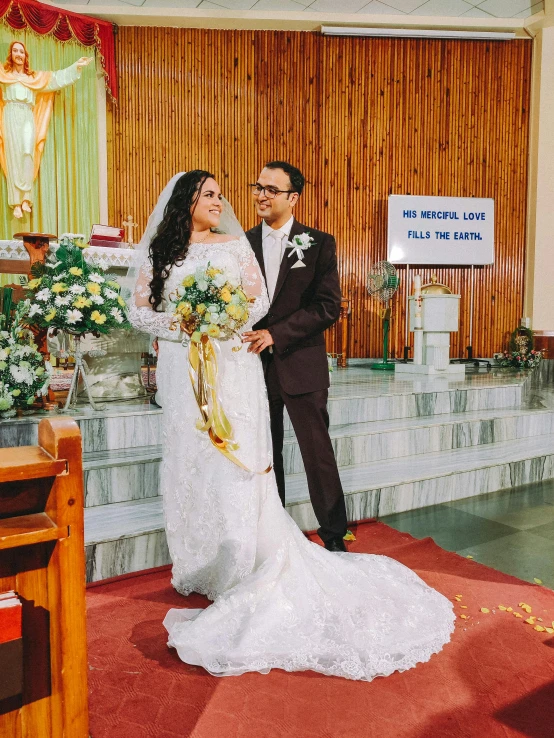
<point>310,420</point>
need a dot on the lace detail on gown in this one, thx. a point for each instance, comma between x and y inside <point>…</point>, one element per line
<point>280,601</point>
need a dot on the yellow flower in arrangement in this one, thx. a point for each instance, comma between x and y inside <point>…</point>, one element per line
<point>213,331</point>
<point>82,302</point>
<point>59,287</point>
<point>188,281</point>
<point>93,288</point>
<point>211,272</point>
<point>233,311</point>
<point>76,271</point>
<point>16,392</point>
<point>113,285</point>
<point>97,317</point>
<point>50,316</point>
<point>184,309</point>
<point>241,294</point>
<point>34,283</point>
<point>196,337</point>
<point>200,309</point>
<point>225,294</point>
<point>121,301</point>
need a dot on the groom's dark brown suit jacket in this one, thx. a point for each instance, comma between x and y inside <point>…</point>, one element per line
<point>306,302</point>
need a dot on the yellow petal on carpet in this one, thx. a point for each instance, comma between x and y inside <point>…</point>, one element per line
<point>464,617</point>
<point>537,581</point>
<point>540,620</point>
<point>518,615</point>
<point>502,607</point>
<point>469,557</point>
<point>539,628</point>
<point>549,630</point>
<point>464,607</point>
<point>349,536</point>
<point>509,609</point>
<point>485,610</point>
<point>458,599</point>
<point>458,596</point>
<point>530,621</point>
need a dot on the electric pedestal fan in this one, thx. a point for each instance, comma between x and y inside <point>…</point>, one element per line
<point>382,283</point>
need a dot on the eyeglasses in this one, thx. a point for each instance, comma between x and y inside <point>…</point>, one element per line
<point>270,192</point>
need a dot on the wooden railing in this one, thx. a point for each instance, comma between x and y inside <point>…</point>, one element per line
<point>42,561</point>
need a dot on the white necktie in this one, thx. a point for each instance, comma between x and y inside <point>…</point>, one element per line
<point>272,259</point>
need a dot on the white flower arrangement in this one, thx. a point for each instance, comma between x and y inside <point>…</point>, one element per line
<point>67,293</point>
<point>24,373</point>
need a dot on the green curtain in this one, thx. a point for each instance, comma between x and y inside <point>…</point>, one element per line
<point>66,189</point>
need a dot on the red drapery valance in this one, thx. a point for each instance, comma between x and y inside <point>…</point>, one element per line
<point>64,25</point>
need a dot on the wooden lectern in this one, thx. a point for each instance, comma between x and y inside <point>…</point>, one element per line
<point>42,560</point>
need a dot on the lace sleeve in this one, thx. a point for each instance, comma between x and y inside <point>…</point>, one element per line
<point>252,282</point>
<point>141,314</point>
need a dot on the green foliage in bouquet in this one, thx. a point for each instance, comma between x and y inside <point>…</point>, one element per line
<point>209,303</point>
<point>69,294</point>
<point>24,373</point>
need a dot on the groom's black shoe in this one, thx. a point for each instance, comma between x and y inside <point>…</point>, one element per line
<point>335,544</point>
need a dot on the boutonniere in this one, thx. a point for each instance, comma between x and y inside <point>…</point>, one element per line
<point>299,244</point>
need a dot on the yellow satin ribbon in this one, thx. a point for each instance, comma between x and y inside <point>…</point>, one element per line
<point>203,375</point>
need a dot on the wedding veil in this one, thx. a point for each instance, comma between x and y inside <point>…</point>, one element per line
<point>228,225</point>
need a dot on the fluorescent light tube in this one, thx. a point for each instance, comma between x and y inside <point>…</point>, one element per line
<point>416,33</point>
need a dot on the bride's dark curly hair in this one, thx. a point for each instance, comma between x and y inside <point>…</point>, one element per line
<point>170,244</point>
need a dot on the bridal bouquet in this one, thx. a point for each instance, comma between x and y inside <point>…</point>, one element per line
<point>24,373</point>
<point>71,295</point>
<point>208,303</point>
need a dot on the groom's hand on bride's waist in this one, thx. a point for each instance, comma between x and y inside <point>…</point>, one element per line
<point>258,340</point>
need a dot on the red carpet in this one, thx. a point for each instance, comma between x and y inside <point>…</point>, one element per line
<point>496,677</point>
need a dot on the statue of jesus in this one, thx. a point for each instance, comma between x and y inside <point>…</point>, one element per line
<point>26,103</point>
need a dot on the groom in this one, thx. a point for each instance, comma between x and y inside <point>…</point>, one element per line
<point>304,294</point>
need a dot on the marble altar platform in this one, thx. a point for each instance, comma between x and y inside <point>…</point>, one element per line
<point>401,443</point>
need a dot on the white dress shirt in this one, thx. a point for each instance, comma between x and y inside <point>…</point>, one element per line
<point>273,247</point>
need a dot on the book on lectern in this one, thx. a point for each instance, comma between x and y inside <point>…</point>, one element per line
<point>11,645</point>
<point>107,236</point>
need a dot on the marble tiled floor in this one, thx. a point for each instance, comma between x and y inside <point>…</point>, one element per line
<point>510,530</point>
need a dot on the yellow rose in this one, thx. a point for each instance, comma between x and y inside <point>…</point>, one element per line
<point>34,283</point>
<point>76,271</point>
<point>200,309</point>
<point>188,281</point>
<point>225,295</point>
<point>213,330</point>
<point>50,316</point>
<point>59,287</point>
<point>121,301</point>
<point>232,310</point>
<point>184,309</point>
<point>98,317</point>
<point>93,288</point>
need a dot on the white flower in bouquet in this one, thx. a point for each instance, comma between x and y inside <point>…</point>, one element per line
<point>60,301</point>
<point>219,280</point>
<point>35,310</point>
<point>43,295</point>
<point>110,294</point>
<point>97,299</point>
<point>73,316</point>
<point>77,289</point>
<point>117,314</point>
<point>98,278</point>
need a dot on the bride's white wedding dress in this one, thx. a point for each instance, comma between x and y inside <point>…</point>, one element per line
<point>280,601</point>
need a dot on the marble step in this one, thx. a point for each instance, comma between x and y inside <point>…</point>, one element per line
<point>122,475</point>
<point>385,487</point>
<point>129,536</point>
<point>359,443</point>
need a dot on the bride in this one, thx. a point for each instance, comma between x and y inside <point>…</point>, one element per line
<point>279,601</point>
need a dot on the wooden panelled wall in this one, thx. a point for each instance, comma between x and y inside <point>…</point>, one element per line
<point>363,118</point>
